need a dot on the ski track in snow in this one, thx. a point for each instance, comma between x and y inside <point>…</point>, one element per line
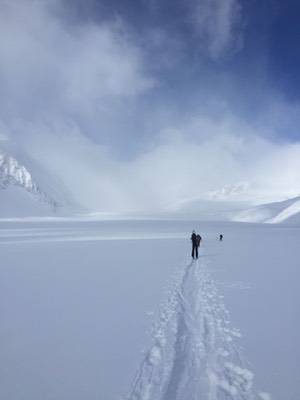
<point>194,353</point>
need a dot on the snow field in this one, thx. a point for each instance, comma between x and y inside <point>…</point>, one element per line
<point>76,298</point>
<point>195,352</point>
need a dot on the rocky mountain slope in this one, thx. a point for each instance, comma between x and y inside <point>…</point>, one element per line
<point>18,189</point>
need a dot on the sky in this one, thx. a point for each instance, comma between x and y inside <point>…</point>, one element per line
<point>144,105</point>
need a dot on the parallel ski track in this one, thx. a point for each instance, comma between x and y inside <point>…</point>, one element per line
<point>194,354</point>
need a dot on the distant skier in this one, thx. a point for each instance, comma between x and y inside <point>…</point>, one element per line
<point>221,237</point>
<point>198,238</point>
<point>194,245</point>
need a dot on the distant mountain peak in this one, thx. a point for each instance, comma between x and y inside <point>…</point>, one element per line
<point>229,191</point>
<point>12,173</point>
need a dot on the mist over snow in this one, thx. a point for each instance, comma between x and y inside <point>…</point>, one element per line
<point>214,166</point>
<point>136,118</point>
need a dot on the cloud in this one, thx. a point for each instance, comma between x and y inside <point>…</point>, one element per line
<point>4,136</point>
<point>50,66</point>
<point>218,24</point>
<point>78,97</point>
<point>209,159</point>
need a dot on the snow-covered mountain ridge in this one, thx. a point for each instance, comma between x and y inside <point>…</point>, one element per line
<point>12,173</point>
<point>287,211</point>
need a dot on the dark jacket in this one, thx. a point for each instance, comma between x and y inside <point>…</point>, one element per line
<point>194,239</point>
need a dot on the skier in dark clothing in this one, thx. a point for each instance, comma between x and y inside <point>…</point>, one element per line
<point>221,237</point>
<point>194,244</point>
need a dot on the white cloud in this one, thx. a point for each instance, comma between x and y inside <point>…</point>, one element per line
<point>218,24</point>
<point>51,66</point>
<point>60,81</point>
<point>206,156</point>
<point>4,136</point>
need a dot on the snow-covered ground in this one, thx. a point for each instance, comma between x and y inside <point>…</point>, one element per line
<point>113,310</point>
<point>287,211</point>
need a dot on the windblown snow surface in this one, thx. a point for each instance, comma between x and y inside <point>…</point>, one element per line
<point>194,353</point>
<point>78,300</point>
